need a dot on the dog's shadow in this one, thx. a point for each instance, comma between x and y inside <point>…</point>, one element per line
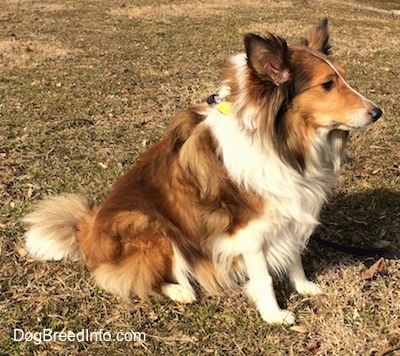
<point>364,220</point>
<point>360,220</point>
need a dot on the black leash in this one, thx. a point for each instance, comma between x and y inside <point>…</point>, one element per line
<point>358,251</point>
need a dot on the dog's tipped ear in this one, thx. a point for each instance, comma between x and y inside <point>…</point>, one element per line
<point>318,38</point>
<point>268,57</point>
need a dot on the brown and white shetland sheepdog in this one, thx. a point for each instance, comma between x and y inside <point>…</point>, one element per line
<point>231,193</point>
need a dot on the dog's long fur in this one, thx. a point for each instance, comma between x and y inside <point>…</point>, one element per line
<point>226,197</point>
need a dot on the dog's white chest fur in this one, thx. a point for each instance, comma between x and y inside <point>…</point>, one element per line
<point>292,200</point>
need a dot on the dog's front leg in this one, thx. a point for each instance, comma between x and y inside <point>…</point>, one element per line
<point>261,290</point>
<point>299,280</point>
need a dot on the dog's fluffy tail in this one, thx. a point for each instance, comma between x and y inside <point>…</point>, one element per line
<point>52,227</point>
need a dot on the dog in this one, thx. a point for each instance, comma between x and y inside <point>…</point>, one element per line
<point>232,192</point>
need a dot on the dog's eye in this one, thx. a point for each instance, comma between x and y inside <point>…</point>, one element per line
<point>328,85</point>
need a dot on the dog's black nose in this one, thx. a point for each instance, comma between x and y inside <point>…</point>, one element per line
<point>375,113</point>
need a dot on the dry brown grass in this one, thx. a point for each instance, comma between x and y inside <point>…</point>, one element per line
<point>87,85</point>
<point>16,53</point>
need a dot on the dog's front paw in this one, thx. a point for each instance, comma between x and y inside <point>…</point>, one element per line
<point>279,317</point>
<point>307,287</point>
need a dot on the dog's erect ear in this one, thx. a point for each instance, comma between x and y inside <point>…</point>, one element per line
<point>268,56</point>
<point>318,38</point>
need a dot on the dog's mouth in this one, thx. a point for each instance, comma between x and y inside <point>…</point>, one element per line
<point>359,120</point>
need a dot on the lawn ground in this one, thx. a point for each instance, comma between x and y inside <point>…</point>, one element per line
<point>86,86</point>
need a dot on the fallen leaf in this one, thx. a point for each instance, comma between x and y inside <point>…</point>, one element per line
<point>377,267</point>
<point>356,314</point>
<point>299,328</point>
<point>389,351</point>
<point>313,347</point>
<point>381,244</point>
<point>30,191</point>
<point>21,252</point>
<point>360,173</point>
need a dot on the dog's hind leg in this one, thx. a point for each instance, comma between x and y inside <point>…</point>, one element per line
<point>181,291</point>
<point>143,266</point>
<point>178,293</point>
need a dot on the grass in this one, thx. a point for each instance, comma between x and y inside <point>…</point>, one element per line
<point>86,86</point>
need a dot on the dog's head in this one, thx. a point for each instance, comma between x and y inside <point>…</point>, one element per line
<point>314,85</point>
<point>294,92</point>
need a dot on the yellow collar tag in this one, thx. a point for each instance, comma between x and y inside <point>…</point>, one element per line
<point>225,107</point>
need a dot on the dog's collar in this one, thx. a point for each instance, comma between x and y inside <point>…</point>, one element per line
<point>224,107</point>
<point>213,99</point>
